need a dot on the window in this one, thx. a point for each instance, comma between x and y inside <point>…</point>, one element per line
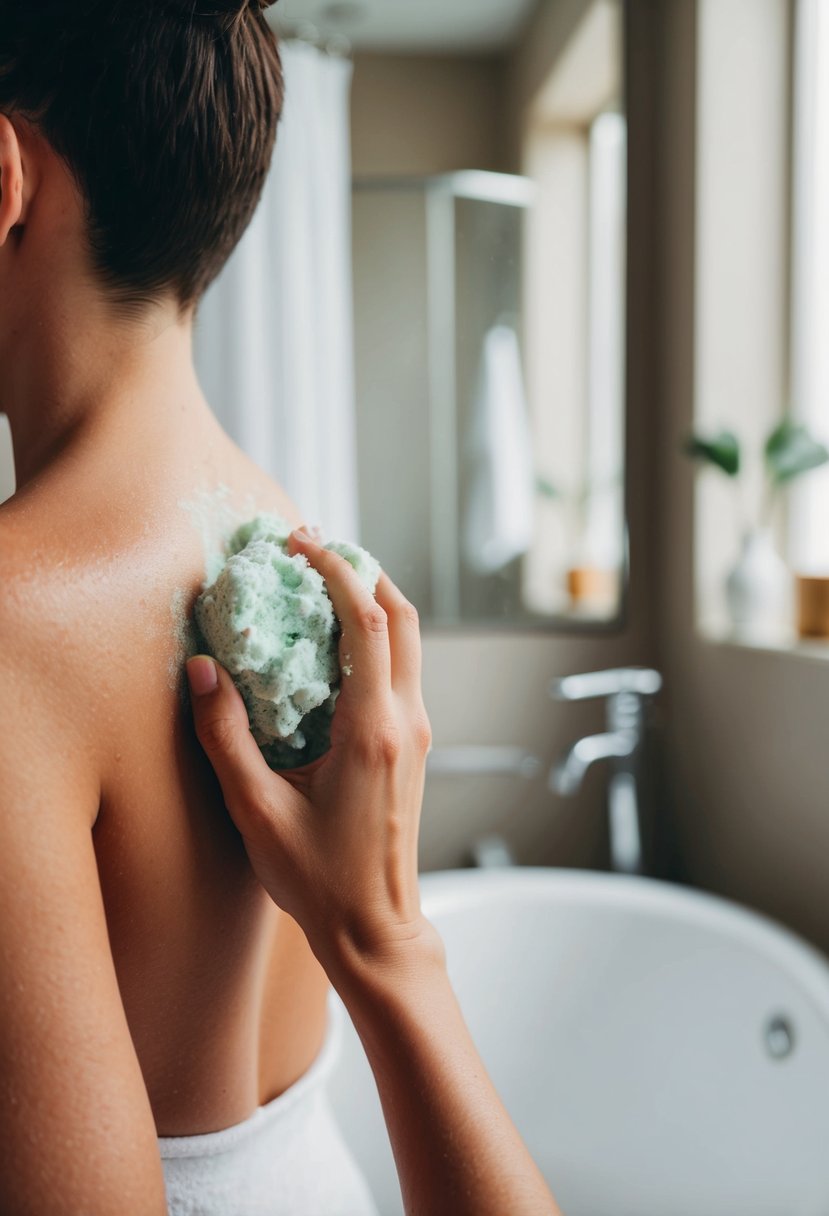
<point>741,270</point>
<point>575,151</point>
<point>809,520</point>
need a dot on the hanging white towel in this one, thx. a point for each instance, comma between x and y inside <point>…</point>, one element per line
<point>499,512</point>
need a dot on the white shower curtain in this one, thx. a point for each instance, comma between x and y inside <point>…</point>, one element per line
<point>274,334</point>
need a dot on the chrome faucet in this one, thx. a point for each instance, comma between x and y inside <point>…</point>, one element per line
<point>626,690</point>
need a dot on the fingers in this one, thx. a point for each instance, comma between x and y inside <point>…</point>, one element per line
<point>364,648</point>
<point>223,730</point>
<point>404,635</point>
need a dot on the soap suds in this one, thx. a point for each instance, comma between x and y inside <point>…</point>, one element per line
<point>268,620</point>
<point>215,521</point>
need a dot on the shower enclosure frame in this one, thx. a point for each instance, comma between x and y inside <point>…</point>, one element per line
<point>441,192</point>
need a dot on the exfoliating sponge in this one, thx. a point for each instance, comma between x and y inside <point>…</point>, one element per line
<point>268,620</point>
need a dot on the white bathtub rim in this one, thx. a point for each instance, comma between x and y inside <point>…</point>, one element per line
<point>450,890</point>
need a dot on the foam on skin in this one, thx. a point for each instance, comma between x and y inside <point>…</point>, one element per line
<point>268,620</point>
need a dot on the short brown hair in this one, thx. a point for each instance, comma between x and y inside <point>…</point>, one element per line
<point>165,112</point>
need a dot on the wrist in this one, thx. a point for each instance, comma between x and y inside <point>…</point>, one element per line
<point>355,962</point>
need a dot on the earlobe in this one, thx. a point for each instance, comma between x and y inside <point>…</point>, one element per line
<point>11,179</point>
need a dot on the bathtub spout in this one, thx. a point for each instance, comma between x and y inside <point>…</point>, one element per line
<point>627,691</point>
<point>566,776</point>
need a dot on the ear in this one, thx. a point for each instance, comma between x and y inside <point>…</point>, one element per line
<point>11,179</point>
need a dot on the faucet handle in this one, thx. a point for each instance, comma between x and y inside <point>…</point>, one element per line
<point>641,681</point>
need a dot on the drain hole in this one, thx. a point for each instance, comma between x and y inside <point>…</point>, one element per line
<point>779,1037</point>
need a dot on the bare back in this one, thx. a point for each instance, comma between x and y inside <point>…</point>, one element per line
<point>224,1000</point>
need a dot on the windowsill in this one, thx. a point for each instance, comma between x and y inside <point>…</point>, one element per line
<point>719,634</point>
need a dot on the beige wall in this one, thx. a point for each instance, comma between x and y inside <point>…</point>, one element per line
<point>746,729</point>
<point>427,115</point>
<point>531,61</point>
<point>420,114</point>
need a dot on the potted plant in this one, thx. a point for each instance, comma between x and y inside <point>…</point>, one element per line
<point>759,586</point>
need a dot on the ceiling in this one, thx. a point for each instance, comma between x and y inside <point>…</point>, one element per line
<point>448,26</point>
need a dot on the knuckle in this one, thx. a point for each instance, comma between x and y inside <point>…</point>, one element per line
<point>380,746</point>
<point>422,732</point>
<point>373,619</point>
<point>388,745</point>
<point>217,734</point>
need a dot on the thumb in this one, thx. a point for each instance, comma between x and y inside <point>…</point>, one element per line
<point>222,727</point>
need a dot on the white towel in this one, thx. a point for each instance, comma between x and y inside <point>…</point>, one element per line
<point>288,1159</point>
<point>499,512</point>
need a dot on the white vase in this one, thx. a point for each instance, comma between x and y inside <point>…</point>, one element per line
<point>760,592</point>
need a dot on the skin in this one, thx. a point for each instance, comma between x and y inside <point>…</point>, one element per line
<point>335,845</point>
<point>156,978</point>
<point>159,990</point>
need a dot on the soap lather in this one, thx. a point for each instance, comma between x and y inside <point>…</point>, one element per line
<point>268,620</point>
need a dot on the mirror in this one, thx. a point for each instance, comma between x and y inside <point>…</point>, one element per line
<point>490,333</point>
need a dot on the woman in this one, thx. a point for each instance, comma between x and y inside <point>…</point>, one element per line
<point>161,1018</point>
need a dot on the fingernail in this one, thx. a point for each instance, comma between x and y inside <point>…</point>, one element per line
<point>302,537</point>
<point>202,674</point>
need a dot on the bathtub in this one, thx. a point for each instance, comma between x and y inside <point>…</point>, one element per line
<point>662,1052</point>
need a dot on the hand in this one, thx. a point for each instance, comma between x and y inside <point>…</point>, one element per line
<point>335,845</point>
<point>335,842</point>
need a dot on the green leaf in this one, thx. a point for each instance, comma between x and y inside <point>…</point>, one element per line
<point>545,487</point>
<point>792,450</point>
<point>722,450</point>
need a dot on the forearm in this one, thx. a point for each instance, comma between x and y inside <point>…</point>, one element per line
<point>457,1151</point>
<point>336,848</point>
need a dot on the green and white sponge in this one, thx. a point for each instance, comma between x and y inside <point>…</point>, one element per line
<point>268,620</point>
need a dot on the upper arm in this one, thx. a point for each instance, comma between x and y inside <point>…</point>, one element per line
<point>76,1128</point>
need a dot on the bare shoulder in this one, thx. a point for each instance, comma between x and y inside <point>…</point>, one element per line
<point>38,617</point>
<point>24,586</point>
<point>33,550</point>
<point>16,557</point>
